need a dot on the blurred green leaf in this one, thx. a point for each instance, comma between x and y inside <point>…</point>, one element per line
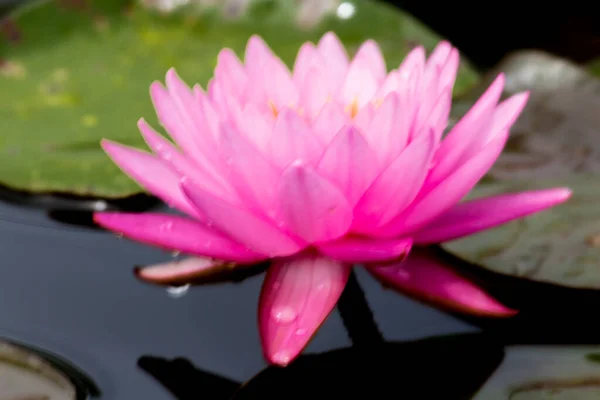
<point>73,72</point>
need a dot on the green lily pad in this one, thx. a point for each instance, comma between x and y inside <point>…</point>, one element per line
<point>73,74</point>
<point>545,373</point>
<point>560,245</point>
<point>558,134</point>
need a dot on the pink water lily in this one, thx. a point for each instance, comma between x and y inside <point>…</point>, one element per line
<point>336,163</point>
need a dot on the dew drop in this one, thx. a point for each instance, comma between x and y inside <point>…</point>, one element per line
<point>284,315</point>
<point>282,357</point>
<point>300,332</point>
<point>166,227</point>
<point>175,254</point>
<point>176,292</point>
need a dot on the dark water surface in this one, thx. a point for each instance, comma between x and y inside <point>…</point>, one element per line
<point>71,291</point>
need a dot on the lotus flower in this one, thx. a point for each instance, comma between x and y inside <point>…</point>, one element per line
<point>334,164</point>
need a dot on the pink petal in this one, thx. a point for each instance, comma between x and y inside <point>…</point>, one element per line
<point>180,114</point>
<point>414,61</point>
<point>504,117</point>
<point>231,73</point>
<point>393,190</point>
<point>310,206</point>
<point>370,52</point>
<point>447,193</point>
<point>476,215</point>
<point>280,88</point>
<point>358,250</point>
<point>387,133</point>
<point>152,174</point>
<point>308,58</point>
<point>185,271</point>
<point>429,279</point>
<point>360,85</point>
<point>252,231</point>
<point>252,123</point>
<point>252,176</point>
<point>292,140</point>
<point>175,233</point>
<point>452,150</point>
<point>256,56</point>
<point>210,180</point>
<point>336,59</point>
<point>329,122</point>
<point>449,71</point>
<point>315,92</point>
<point>297,296</point>
<point>349,163</point>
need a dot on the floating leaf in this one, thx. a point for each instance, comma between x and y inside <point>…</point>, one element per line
<point>558,133</point>
<point>85,76</point>
<point>545,373</point>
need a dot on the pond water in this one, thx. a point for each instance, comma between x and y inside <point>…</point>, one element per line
<point>76,324</point>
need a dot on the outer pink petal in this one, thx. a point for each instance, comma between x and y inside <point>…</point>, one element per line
<point>349,163</point>
<point>152,174</point>
<point>476,215</point>
<point>311,207</point>
<point>396,187</point>
<point>210,180</point>
<point>449,71</point>
<point>176,233</point>
<point>451,153</point>
<point>297,296</point>
<point>292,140</point>
<point>447,193</point>
<point>414,61</point>
<point>365,250</point>
<point>254,124</point>
<point>252,231</point>
<point>252,176</point>
<point>429,279</point>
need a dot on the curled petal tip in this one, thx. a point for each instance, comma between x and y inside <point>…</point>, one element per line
<point>179,272</point>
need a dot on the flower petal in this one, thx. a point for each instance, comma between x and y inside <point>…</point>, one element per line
<point>447,193</point>
<point>231,73</point>
<point>329,122</point>
<point>311,207</point>
<point>370,52</point>
<point>292,140</point>
<point>387,133</point>
<point>185,271</point>
<point>175,233</point>
<point>336,59</point>
<point>455,145</point>
<point>152,174</point>
<point>393,190</point>
<point>427,278</point>
<point>249,229</point>
<point>208,179</point>
<point>349,163</point>
<point>297,296</point>
<point>251,175</point>
<point>359,250</point>
<point>476,215</point>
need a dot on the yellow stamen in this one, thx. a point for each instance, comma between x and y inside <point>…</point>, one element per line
<point>352,108</point>
<point>273,108</point>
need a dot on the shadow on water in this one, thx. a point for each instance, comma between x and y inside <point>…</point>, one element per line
<point>449,367</point>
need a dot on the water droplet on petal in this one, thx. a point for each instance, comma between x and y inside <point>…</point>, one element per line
<point>300,332</point>
<point>281,357</point>
<point>284,315</point>
<point>177,291</point>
